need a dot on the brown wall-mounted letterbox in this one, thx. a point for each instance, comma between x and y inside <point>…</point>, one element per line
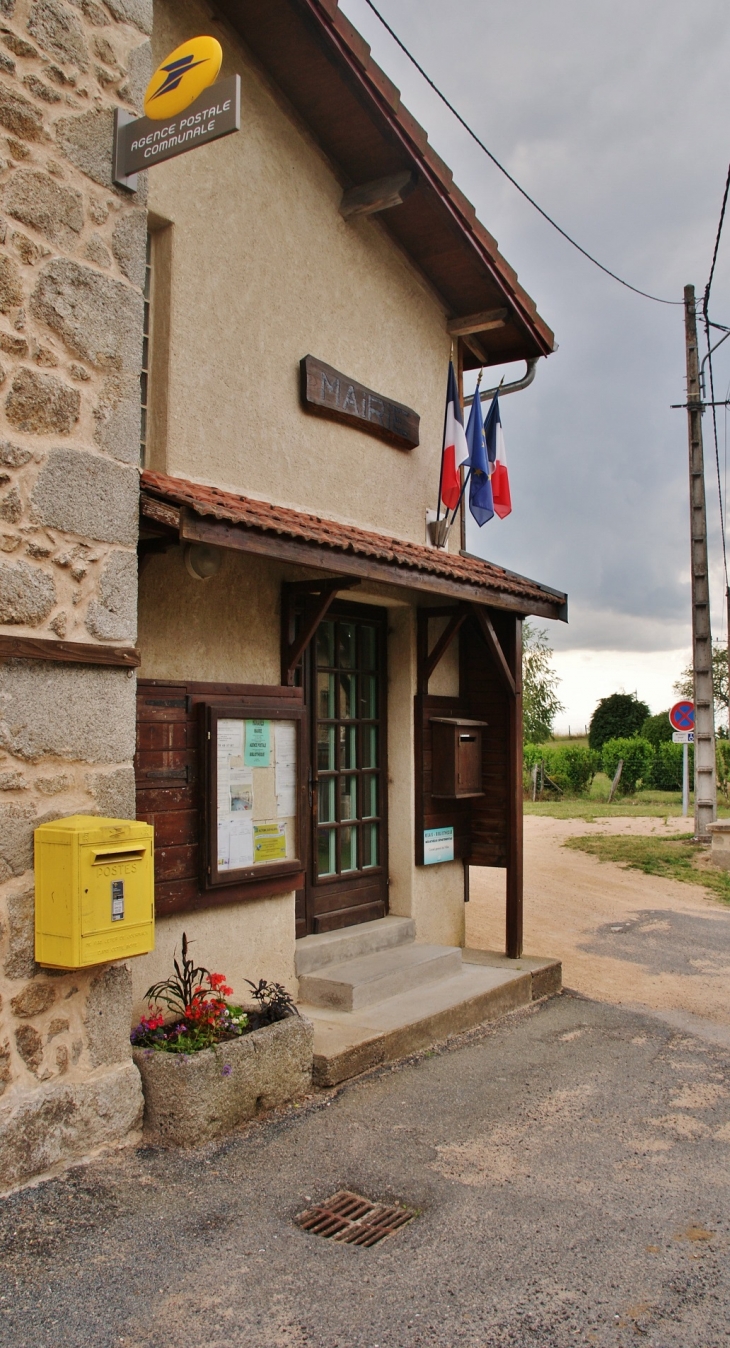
<point>457,757</point>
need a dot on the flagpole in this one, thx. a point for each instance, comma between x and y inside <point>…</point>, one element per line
<point>441,470</point>
<point>461,497</point>
<point>443,437</point>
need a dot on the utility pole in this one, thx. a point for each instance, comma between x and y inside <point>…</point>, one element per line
<point>705,784</point>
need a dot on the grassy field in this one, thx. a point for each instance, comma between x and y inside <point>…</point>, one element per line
<point>677,857</point>
<point>575,741</point>
<point>594,805</point>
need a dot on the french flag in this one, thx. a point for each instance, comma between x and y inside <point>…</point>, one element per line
<point>455,450</point>
<point>498,477</point>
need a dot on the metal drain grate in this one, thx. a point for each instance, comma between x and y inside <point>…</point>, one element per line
<point>354,1220</point>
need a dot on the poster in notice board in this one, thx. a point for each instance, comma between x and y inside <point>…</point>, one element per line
<point>256,761</point>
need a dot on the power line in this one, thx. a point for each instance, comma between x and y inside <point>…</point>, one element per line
<point>718,236</point>
<point>507,174</point>
<point>710,349</point>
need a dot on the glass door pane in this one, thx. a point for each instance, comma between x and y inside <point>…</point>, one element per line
<point>347,735</point>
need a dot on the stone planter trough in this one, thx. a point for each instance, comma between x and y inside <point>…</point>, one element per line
<point>189,1099</point>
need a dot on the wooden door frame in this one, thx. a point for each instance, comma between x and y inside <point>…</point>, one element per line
<point>363,613</point>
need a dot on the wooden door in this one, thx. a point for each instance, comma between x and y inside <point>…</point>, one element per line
<point>345,685</point>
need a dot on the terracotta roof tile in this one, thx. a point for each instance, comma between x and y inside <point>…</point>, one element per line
<point>342,539</point>
<point>355,41</point>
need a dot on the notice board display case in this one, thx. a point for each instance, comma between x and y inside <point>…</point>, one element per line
<point>177,791</point>
<point>253,819</point>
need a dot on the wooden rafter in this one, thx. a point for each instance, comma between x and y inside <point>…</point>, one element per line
<point>490,636</point>
<point>68,652</point>
<point>379,195</point>
<point>432,658</point>
<point>319,595</point>
<point>486,321</point>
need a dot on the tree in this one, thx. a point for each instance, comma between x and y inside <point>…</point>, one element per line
<point>720,683</point>
<point>616,717</point>
<point>540,702</point>
<point>657,729</point>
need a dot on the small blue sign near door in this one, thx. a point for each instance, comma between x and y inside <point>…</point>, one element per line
<point>438,845</point>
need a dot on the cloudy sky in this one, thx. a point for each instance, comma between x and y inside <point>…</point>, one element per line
<point>615,115</point>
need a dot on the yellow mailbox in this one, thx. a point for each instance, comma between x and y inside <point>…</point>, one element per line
<point>94,891</point>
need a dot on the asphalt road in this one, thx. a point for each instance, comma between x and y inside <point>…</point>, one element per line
<point>570,1171</point>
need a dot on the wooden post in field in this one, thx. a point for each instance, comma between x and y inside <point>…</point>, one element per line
<point>705,783</point>
<point>616,780</point>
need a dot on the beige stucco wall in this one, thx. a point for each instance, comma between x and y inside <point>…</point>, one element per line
<point>223,630</point>
<point>263,270</point>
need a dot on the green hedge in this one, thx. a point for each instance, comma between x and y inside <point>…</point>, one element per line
<point>667,770</point>
<point>638,757</point>
<point>571,767</point>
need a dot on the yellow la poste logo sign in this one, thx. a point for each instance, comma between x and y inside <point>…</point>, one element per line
<point>182,77</point>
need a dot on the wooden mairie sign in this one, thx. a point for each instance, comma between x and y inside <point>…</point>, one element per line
<point>328,393</point>
<point>142,142</point>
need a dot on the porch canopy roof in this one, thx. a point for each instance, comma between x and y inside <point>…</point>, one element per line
<point>323,68</point>
<point>172,507</point>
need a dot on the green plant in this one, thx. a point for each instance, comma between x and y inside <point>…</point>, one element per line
<point>722,760</point>
<point>540,702</point>
<point>666,772</point>
<point>202,1016</point>
<point>574,768</point>
<point>571,767</point>
<point>179,991</point>
<point>638,760</point>
<point>657,729</point>
<point>274,1002</point>
<point>720,686</point>
<point>616,717</point>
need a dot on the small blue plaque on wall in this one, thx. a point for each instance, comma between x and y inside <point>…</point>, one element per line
<point>438,845</point>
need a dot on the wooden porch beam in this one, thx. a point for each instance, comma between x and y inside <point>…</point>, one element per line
<point>68,652</point>
<point>151,508</point>
<point>476,349</point>
<point>514,889</point>
<point>315,609</point>
<point>486,321</point>
<point>434,657</point>
<point>242,538</point>
<point>486,628</point>
<point>378,195</point>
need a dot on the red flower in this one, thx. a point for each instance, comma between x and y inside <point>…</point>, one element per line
<point>218,984</point>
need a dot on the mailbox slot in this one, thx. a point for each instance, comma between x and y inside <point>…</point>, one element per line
<point>457,758</point>
<point>109,858</point>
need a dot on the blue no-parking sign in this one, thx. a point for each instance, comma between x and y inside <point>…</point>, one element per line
<point>682,715</point>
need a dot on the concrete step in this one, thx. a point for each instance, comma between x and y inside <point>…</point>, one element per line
<point>356,983</point>
<point>332,947</point>
<point>546,973</point>
<point>348,1043</point>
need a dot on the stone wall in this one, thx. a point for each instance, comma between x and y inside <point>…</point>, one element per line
<point>72,257</point>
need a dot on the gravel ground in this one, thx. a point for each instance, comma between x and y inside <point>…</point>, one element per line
<point>570,1170</point>
<point>622,936</point>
